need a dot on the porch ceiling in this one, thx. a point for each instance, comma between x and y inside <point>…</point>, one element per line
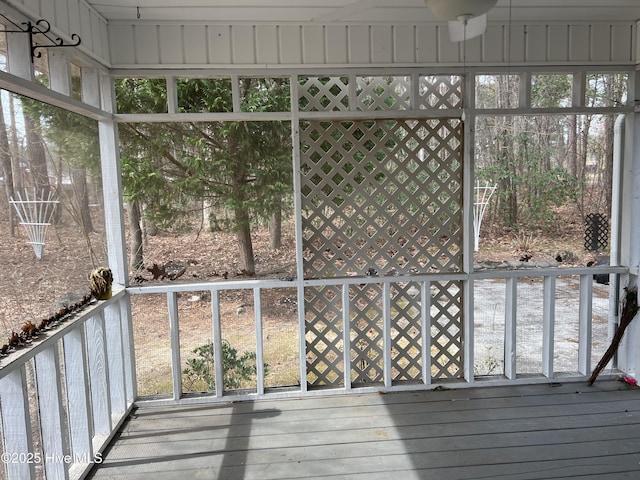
<point>330,11</point>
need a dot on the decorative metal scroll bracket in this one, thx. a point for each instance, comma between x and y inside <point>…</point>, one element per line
<point>41,27</point>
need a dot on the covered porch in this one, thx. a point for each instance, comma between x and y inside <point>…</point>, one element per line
<point>405,356</point>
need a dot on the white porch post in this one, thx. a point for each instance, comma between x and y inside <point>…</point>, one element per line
<point>469,120</point>
<point>112,186</point>
<point>629,350</point>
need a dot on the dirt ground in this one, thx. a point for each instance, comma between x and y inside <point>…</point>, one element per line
<point>33,289</point>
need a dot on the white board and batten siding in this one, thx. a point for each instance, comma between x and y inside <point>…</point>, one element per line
<point>69,17</point>
<point>122,44</point>
<point>312,45</point>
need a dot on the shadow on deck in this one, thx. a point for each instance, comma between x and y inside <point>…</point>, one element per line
<point>517,432</point>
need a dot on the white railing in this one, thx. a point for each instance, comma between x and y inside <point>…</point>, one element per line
<point>64,397</point>
<point>510,374</point>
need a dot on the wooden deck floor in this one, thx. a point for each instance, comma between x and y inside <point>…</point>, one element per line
<point>524,432</point>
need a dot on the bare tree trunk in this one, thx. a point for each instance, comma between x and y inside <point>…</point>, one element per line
<point>136,250</point>
<point>245,246</point>
<point>543,125</point>
<point>607,174</point>
<point>5,158</point>
<point>149,229</point>
<point>37,157</point>
<point>608,143</point>
<point>208,219</point>
<point>582,164</point>
<point>275,229</point>
<point>81,194</point>
<point>572,150</point>
<point>15,149</point>
<point>241,214</point>
<point>507,156</point>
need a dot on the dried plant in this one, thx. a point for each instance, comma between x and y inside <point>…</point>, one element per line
<point>523,241</point>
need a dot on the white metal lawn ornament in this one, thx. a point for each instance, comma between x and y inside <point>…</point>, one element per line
<point>35,216</point>
<point>483,195</point>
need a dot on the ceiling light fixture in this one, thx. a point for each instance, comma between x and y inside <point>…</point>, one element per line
<point>449,10</point>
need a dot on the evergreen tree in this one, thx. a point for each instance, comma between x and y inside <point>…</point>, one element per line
<point>237,168</point>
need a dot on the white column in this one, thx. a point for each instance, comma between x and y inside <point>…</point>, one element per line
<point>112,186</point>
<point>629,349</point>
<point>97,90</point>
<point>468,174</point>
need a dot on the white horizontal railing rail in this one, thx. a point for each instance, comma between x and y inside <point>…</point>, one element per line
<point>511,278</point>
<point>63,397</point>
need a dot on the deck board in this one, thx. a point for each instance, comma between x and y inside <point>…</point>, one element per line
<point>520,432</point>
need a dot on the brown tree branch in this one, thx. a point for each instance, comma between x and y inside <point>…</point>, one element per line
<point>629,311</point>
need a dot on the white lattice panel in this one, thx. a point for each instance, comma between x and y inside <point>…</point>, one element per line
<point>441,92</point>
<point>383,93</point>
<point>380,197</point>
<point>446,330</point>
<point>406,339</point>
<point>366,334</point>
<point>327,94</point>
<point>322,94</point>
<point>323,335</point>
<point>381,194</point>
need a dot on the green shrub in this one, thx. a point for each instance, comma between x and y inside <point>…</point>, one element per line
<point>238,370</point>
